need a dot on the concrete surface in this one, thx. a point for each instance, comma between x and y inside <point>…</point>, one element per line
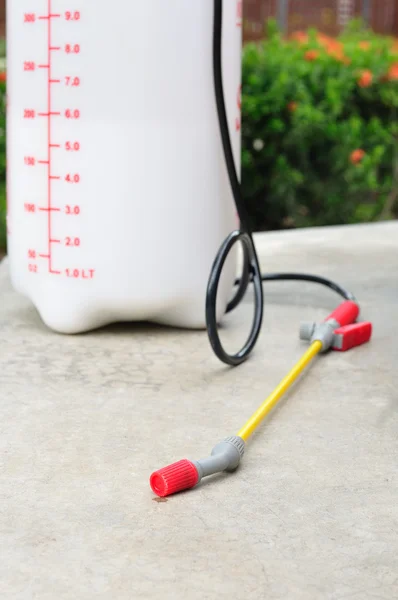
<point>311,514</point>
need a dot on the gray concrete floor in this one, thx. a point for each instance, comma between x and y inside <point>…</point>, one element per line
<point>311,514</point>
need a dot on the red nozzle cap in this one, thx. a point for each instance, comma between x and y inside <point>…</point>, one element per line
<point>179,476</point>
<point>345,314</point>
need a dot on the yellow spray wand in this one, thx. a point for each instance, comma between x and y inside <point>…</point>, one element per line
<point>269,403</point>
<point>339,331</point>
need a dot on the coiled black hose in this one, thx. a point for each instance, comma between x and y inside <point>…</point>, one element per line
<point>251,272</point>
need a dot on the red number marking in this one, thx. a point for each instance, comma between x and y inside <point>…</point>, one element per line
<point>72,210</point>
<point>72,146</point>
<point>72,16</point>
<point>71,241</point>
<point>72,114</point>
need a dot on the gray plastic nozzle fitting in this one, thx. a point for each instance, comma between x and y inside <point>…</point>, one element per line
<point>226,456</point>
<point>322,332</point>
<point>306,330</point>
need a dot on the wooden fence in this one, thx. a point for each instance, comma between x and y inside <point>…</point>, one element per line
<point>330,16</point>
<point>2,18</point>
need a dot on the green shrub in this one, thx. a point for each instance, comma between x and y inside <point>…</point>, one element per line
<point>2,163</point>
<point>320,129</point>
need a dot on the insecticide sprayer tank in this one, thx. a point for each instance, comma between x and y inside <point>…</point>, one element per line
<point>118,195</point>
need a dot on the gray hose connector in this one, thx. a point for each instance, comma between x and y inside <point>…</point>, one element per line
<point>226,456</point>
<point>322,332</point>
<point>306,330</point>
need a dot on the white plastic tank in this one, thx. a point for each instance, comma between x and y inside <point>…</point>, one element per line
<point>118,196</point>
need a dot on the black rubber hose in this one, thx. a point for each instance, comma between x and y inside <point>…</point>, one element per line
<point>251,269</point>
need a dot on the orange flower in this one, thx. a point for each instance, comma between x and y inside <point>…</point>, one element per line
<point>332,46</point>
<point>3,76</point>
<point>311,55</point>
<point>336,52</point>
<point>365,79</point>
<point>292,107</point>
<point>329,43</point>
<point>300,36</point>
<point>364,45</point>
<point>356,156</point>
<point>326,41</point>
<point>392,74</point>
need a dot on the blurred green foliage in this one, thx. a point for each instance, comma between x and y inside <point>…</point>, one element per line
<point>2,160</point>
<point>320,128</point>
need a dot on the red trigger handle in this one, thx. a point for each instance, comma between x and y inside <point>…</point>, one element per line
<point>345,314</point>
<point>350,336</point>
